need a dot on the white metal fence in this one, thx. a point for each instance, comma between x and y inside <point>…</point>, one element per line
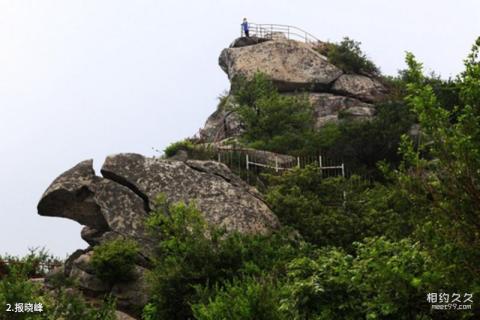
<point>269,31</point>
<point>250,164</point>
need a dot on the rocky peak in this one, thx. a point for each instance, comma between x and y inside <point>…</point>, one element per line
<point>294,67</point>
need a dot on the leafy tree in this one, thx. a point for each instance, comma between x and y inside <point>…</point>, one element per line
<point>383,280</point>
<point>251,298</point>
<point>442,176</point>
<point>362,144</point>
<point>194,260</point>
<point>336,211</point>
<point>273,122</point>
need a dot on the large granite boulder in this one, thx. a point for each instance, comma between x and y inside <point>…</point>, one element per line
<point>360,87</point>
<point>223,199</point>
<point>117,204</point>
<point>98,203</point>
<point>247,41</point>
<point>292,65</point>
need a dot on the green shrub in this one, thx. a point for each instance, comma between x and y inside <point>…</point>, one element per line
<point>194,151</point>
<point>337,211</point>
<point>174,147</point>
<point>73,306</point>
<point>17,287</point>
<point>284,124</point>
<point>250,298</point>
<point>114,260</point>
<point>362,144</point>
<point>441,174</point>
<point>192,255</point>
<point>272,121</point>
<point>384,280</point>
<point>348,56</point>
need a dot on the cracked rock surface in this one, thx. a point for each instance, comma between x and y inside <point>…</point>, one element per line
<point>116,205</point>
<point>223,198</point>
<point>291,65</point>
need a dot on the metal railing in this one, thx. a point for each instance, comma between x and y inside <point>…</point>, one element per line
<point>270,31</point>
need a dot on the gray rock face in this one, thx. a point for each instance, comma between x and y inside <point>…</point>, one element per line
<point>220,125</point>
<point>360,87</point>
<point>98,203</point>
<point>244,41</point>
<point>327,108</point>
<point>116,206</point>
<point>69,196</point>
<point>88,281</point>
<point>290,64</point>
<point>223,203</point>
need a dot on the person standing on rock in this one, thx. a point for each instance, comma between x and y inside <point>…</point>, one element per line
<point>245,27</point>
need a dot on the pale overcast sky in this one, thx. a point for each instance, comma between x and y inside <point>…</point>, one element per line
<point>82,79</point>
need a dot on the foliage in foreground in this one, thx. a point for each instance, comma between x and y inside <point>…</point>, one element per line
<point>16,286</point>
<point>373,252</point>
<point>195,260</point>
<point>337,211</point>
<point>383,280</point>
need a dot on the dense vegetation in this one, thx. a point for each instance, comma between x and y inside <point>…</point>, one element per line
<point>60,302</point>
<point>349,248</point>
<point>285,124</point>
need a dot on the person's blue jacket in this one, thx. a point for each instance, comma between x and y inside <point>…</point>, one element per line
<point>245,26</point>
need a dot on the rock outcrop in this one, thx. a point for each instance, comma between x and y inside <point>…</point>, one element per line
<point>117,204</point>
<point>223,198</point>
<point>223,123</point>
<point>290,64</point>
<point>293,67</point>
<point>329,107</point>
<point>360,87</point>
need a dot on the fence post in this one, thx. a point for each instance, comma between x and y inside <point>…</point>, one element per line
<point>343,170</point>
<point>218,157</point>
<point>276,164</point>
<point>298,162</point>
<point>246,158</point>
